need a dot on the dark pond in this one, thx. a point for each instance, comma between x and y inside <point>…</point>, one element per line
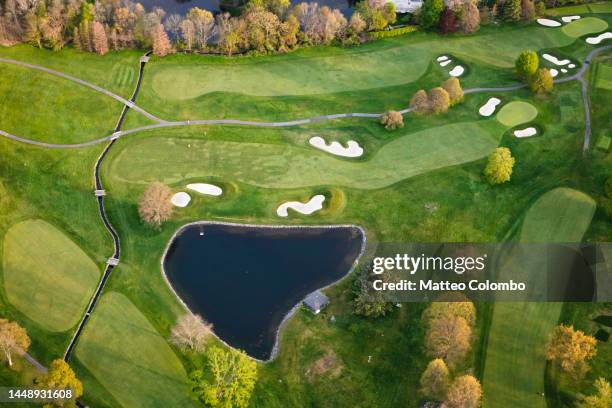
<point>181,7</point>
<point>244,280</point>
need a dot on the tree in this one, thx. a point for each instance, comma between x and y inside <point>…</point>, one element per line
<point>528,12</point>
<point>227,380</point>
<point>190,332</point>
<point>100,42</point>
<point>419,102</point>
<point>499,167</point>
<point>161,42</point>
<point>540,8</point>
<point>571,349</point>
<point>455,92</point>
<point>442,310</point>
<point>527,64</point>
<point>435,380</point>
<point>603,397</point>
<point>448,23</point>
<point>430,13</point>
<point>448,338</point>
<point>155,206</point>
<point>469,20</point>
<point>512,10</point>
<point>203,26</point>
<point>13,339</point>
<point>542,81</point>
<point>439,100</point>
<point>392,120</point>
<point>465,392</point>
<point>60,376</point>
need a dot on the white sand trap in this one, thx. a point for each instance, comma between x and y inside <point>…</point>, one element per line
<point>548,23</point>
<point>442,58</point>
<point>569,19</point>
<point>352,150</point>
<point>555,60</point>
<point>571,66</point>
<point>489,108</point>
<point>599,38</point>
<point>564,70</point>
<point>527,132</point>
<point>181,199</point>
<point>445,63</point>
<point>553,72</point>
<point>314,204</point>
<point>457,71</point>
<point>205,188</point>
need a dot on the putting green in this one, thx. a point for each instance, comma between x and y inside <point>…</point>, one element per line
<point>171,160</point>
<point>46,275</point>
<point>516,350</point>
<point>129,358</point>
<point>517,112</point>
<point>586,25</point>
<point>604,77</point>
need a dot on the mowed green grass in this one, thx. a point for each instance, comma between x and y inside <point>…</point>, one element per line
<point>517,112</point>
<point>325,71</point>
<point>130,358</point>
<point>604,77</point>
<point>47,276</point>
<point>516,351</point>
<point>40,106</point>
<point>586,25</point>
<point>162,158</point>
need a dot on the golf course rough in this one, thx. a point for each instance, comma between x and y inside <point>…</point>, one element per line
<point>171,160</point>
<point>47,276</point>
<point>587,25</point>
<point>516,113</point>
<point>127,355</point>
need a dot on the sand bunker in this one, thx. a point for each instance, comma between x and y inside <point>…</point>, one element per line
<point>314,204</point>
<point>599,38</point>
<point>569,19</point>
<point>489,108</point>
<point>445,63</point>
<point>527,132</point>
<point>457,71</point>
<point>555,60</point>
<point>563,70</point>
<point>571,66</point>
<point>548,23</point>
<point>204,188</point>
<point>553,72</point>
<point>352,150</point>
<point>181,199</point>
<point>442,58</point>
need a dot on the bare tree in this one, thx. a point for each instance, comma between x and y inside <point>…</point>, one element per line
<point>155,206</point>
<point>173,25</point>
<point>190,332</point>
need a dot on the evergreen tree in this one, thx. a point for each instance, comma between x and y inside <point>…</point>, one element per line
<point>431,12</point>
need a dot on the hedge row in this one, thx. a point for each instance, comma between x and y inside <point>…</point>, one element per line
<point>394,33</point>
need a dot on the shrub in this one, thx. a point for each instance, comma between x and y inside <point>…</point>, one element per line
<point>393,33</point>
<point>392,120</point>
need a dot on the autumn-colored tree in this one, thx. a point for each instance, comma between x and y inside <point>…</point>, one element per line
<point>441,310</point>
<point>464,392</point>
<point>100,42</point>
<point>448,22</point>
<point>540,8</point>
<point>13,339</point>
<point>453,86</point>
<point>603,397</point>
<point>469,20</point>
<point>357,23</point>
<point>542,81</point>
<point>161,42</point>
<point>227,380</point>
<point>571,349</point>
<point>435,380</point>
<point>439,100</point>
<point>512,10</point>
<point>499,167</point>
<point>528,12</point>
<point>155,206</point>
<point>202,24</point>
<point>288,32</point>
<point>190,332</point>
<point>527,64</point>
<point>448,338</point>
<point>61,377</point>
<point>392,120</point>
<point>419,102</point>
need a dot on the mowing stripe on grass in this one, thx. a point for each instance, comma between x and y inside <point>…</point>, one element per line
<point>47,276</point>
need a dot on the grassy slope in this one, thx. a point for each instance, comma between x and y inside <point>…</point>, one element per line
<point>46,275</point>
<point>515,358</point>
<point>124,351</point>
